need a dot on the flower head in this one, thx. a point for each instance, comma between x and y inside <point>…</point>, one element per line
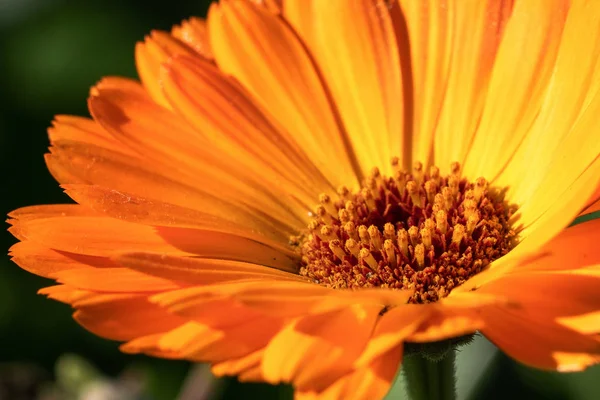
<point>297,188</point>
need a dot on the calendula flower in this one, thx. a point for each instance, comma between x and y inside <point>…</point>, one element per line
<point>447,146</point>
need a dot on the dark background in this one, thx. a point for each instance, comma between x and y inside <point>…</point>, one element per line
<point>51,52</point>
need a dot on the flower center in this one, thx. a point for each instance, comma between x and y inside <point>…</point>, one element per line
<point>418,231</point>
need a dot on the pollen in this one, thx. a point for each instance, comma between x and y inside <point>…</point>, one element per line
<point>416,230</point>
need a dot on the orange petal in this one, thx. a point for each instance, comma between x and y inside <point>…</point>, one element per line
<point>538,343</point>
<point>230,120</point>
<point>199,270</point>
<point>573,248</point>
<point>322,349</point>
<point>198,342</point>
<point>556,160</point>
<point>370,382</point>
<point>238,366</point>
<point>194,33</point>
<point>125,319</point>
<point>88,164</point>
<point>594,202</point>
<point>473,30</point>
<point>264,54</point>
<point>131,208</point>
<point>170,141</point>
<point>536,292</point>
<point>101,236</point>
<point>113,280</point>
<point>157,48</point>
<point>516,90</point>
<point>355,45</point>
<point>78,129</point>
<point>46,262</point>
<point>391,330</point>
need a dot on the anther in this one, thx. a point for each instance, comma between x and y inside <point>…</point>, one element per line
<point>368,258</point>
<point>350,229</point>
<point>389,232</point>
<point>364,235</point>
<point>327,234</point>
<point>395,162</point>
<point>418,171</point>
<point>472,221</point>
<point>343,215</point>
<point>420,255</point>
<point>343,192</point>
<point>388,247</point>
<point>426,237</point>
<point>441,221</point>
<point>353,247</point>
<point>313,225</point>
<point>351,209</point>
<point>324,215</point>
<point>325,200</point>
<point>455,168</point>
<point>413,192</point>
<point>403,242</point>
<point>434,173</point>
<point>453,182</point>
<point>479,189</point>
<point>458,234</point>
<point>336,248</point>
<point>413,234</point>
<point>448,198</point>
<point>430,190</point>
<point>368,198</point>
<point>429,224</point>
<point>375,236</point>
<point>400,180</point>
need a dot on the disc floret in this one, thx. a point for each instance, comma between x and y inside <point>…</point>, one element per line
<point>415,230</point>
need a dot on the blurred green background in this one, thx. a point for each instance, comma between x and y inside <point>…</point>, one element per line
<point>51,52</point>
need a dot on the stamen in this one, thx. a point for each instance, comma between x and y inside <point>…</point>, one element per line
<point>458,234</point>
<point>479,189</point>
<point>325,200</point>
<point>413,234</point>
<point>418,171</point>
<point>441,221</point>
<point>400,180</point>
<point>326,234</point>
<point>343,216</point>
<point>420,255</point>
<point>389,232</point>
<point>368,258</point>
<point>344,193</point>
<point>375,237</point>
<point>426,237</point>
<point>414,230</point>
<point>350,229</point>
<point>322,213</point>
<point>403,242</point>
<point>336,248</point>
<point>353,247</point>
<point>472,221</point>
<point>413,192</point>
<point>455,169</point>
<point>390,252</point>
<point>430,190</point>
<point>363,233</point>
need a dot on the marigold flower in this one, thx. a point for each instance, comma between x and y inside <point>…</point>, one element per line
<point>239,206</point>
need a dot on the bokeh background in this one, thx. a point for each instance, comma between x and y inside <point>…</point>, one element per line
<point>51,52</point>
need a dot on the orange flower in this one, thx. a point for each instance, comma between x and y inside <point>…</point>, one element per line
<point>195,189</point>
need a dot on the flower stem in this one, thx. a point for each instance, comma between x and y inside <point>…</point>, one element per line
<point>430,380</point>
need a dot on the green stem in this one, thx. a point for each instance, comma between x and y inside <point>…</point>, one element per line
<point>430,380</point>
